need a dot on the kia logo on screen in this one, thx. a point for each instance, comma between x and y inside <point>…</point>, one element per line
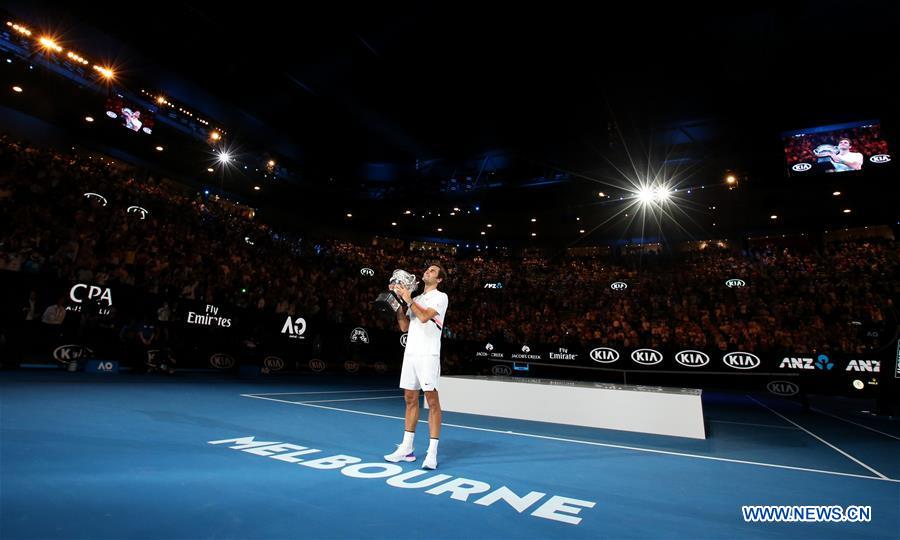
<point>317,365</point>
<point>367,272</point>
<point>68,353</point>
<point>619,286</point>
<point>733,283</point>
<point>221,361</point>
<point>880,158</point>
<point>604,355</point>
<point>783,388</point>
<point>692,358</point>
<point>501,370</point>
<point>741,360</point>
<point>403,339</point>
<point>273,363</point>
<point>801,167</point>
<point>647,357</point>
<point>351,366</point>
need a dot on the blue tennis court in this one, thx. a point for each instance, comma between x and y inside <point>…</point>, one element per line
<point>197,457</point>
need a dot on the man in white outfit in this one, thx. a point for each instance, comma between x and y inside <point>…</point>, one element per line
<point>424,320</point>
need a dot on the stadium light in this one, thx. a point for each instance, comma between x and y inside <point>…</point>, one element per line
<point>48,43</point>
<point>107,73</point>
<point>88,119</point>
<point>837,193</point>
<point>215,136</point>
<point>17,89</point>
<point>159,148</point>
<point>256,188</point>
<point>773,216</point>
<point>730,179</point>
<point>846,210</point>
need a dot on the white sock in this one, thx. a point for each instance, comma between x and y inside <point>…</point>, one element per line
<point>432,446</point>
<point>408,439</point>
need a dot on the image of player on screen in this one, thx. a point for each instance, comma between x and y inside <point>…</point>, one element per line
<point>132,119</point>
<point>840,157</point>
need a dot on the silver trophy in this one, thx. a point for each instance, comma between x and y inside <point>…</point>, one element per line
<point>389,302</point>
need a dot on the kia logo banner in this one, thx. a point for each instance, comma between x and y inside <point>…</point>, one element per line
<point>783,388</point>
<point>502,371</point>
<point>647,357</point>
<point>70,353</point>
<point>273,363</point>
<point>692,359</point>
<point>221,361</point>
<point>741,360</point>
<point>604,355</point>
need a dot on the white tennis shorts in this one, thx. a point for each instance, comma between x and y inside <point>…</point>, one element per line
<point>420,372</point>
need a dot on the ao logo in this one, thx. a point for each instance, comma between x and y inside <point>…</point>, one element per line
<point>783,388</point>
<point>294,328</point>
<point>105,366</point>
<point>92,195</point>
<point>741,360</point>
<point>221,361</point>
<point>489,347</point>
<point>501,370</point>
<point>317,365</point>
<point>68,353</point>
<point>619,286</point>
<point>273,363</point>
<point>880,158</point>
<point>380,367</point>
<point>732,283</point>
<point>351,366</point>
<point>403,339</point>
<point>143,212</point>
<point>604,355</point>
<point>526,349</point>
<point>647,357</point>
<point>76,293</point>
<point>359,334</point>
<point>801,167</point>
<point>692,358</point>
<point>367,272</point>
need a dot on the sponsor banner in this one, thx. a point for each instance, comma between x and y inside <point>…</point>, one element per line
<point>692,359</point>
<point>525,354</point>
<point>222,361</point>
<point>897,361</point>
<point>783,388</point>
<point>741,360</point>
<point>86,292</point>
<point>294,328</point>
<point>65,354</point>
<point>359,335</point>
<point>351,366</point>
<point>604,355</point>
<point>501,370</point>
<point>273,363</point>
<point>101,366</point>
<point>210,316</point>
<point>646,357</point>
<point>489,351</point>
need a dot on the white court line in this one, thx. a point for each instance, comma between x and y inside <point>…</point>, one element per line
<point>820,439</point>
<point>325,392</point>
<point>350,399</point>
<point>750,424</point>
<point>856,424</point>
<point>589,443</point>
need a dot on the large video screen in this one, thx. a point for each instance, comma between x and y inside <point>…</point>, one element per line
<point>131,116</point>
<point>837,148</point>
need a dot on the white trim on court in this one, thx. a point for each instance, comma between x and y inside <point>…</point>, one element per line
<point>325,392</point>
<point>589,443</point>
<point>856,423</point>
<point>751,424</point>
<point>351,399</point>
<point>820,439</point>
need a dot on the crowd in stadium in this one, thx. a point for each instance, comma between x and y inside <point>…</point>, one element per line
<point>196,247</point>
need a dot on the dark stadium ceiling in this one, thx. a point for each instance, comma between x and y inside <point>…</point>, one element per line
<point>532,110</point>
